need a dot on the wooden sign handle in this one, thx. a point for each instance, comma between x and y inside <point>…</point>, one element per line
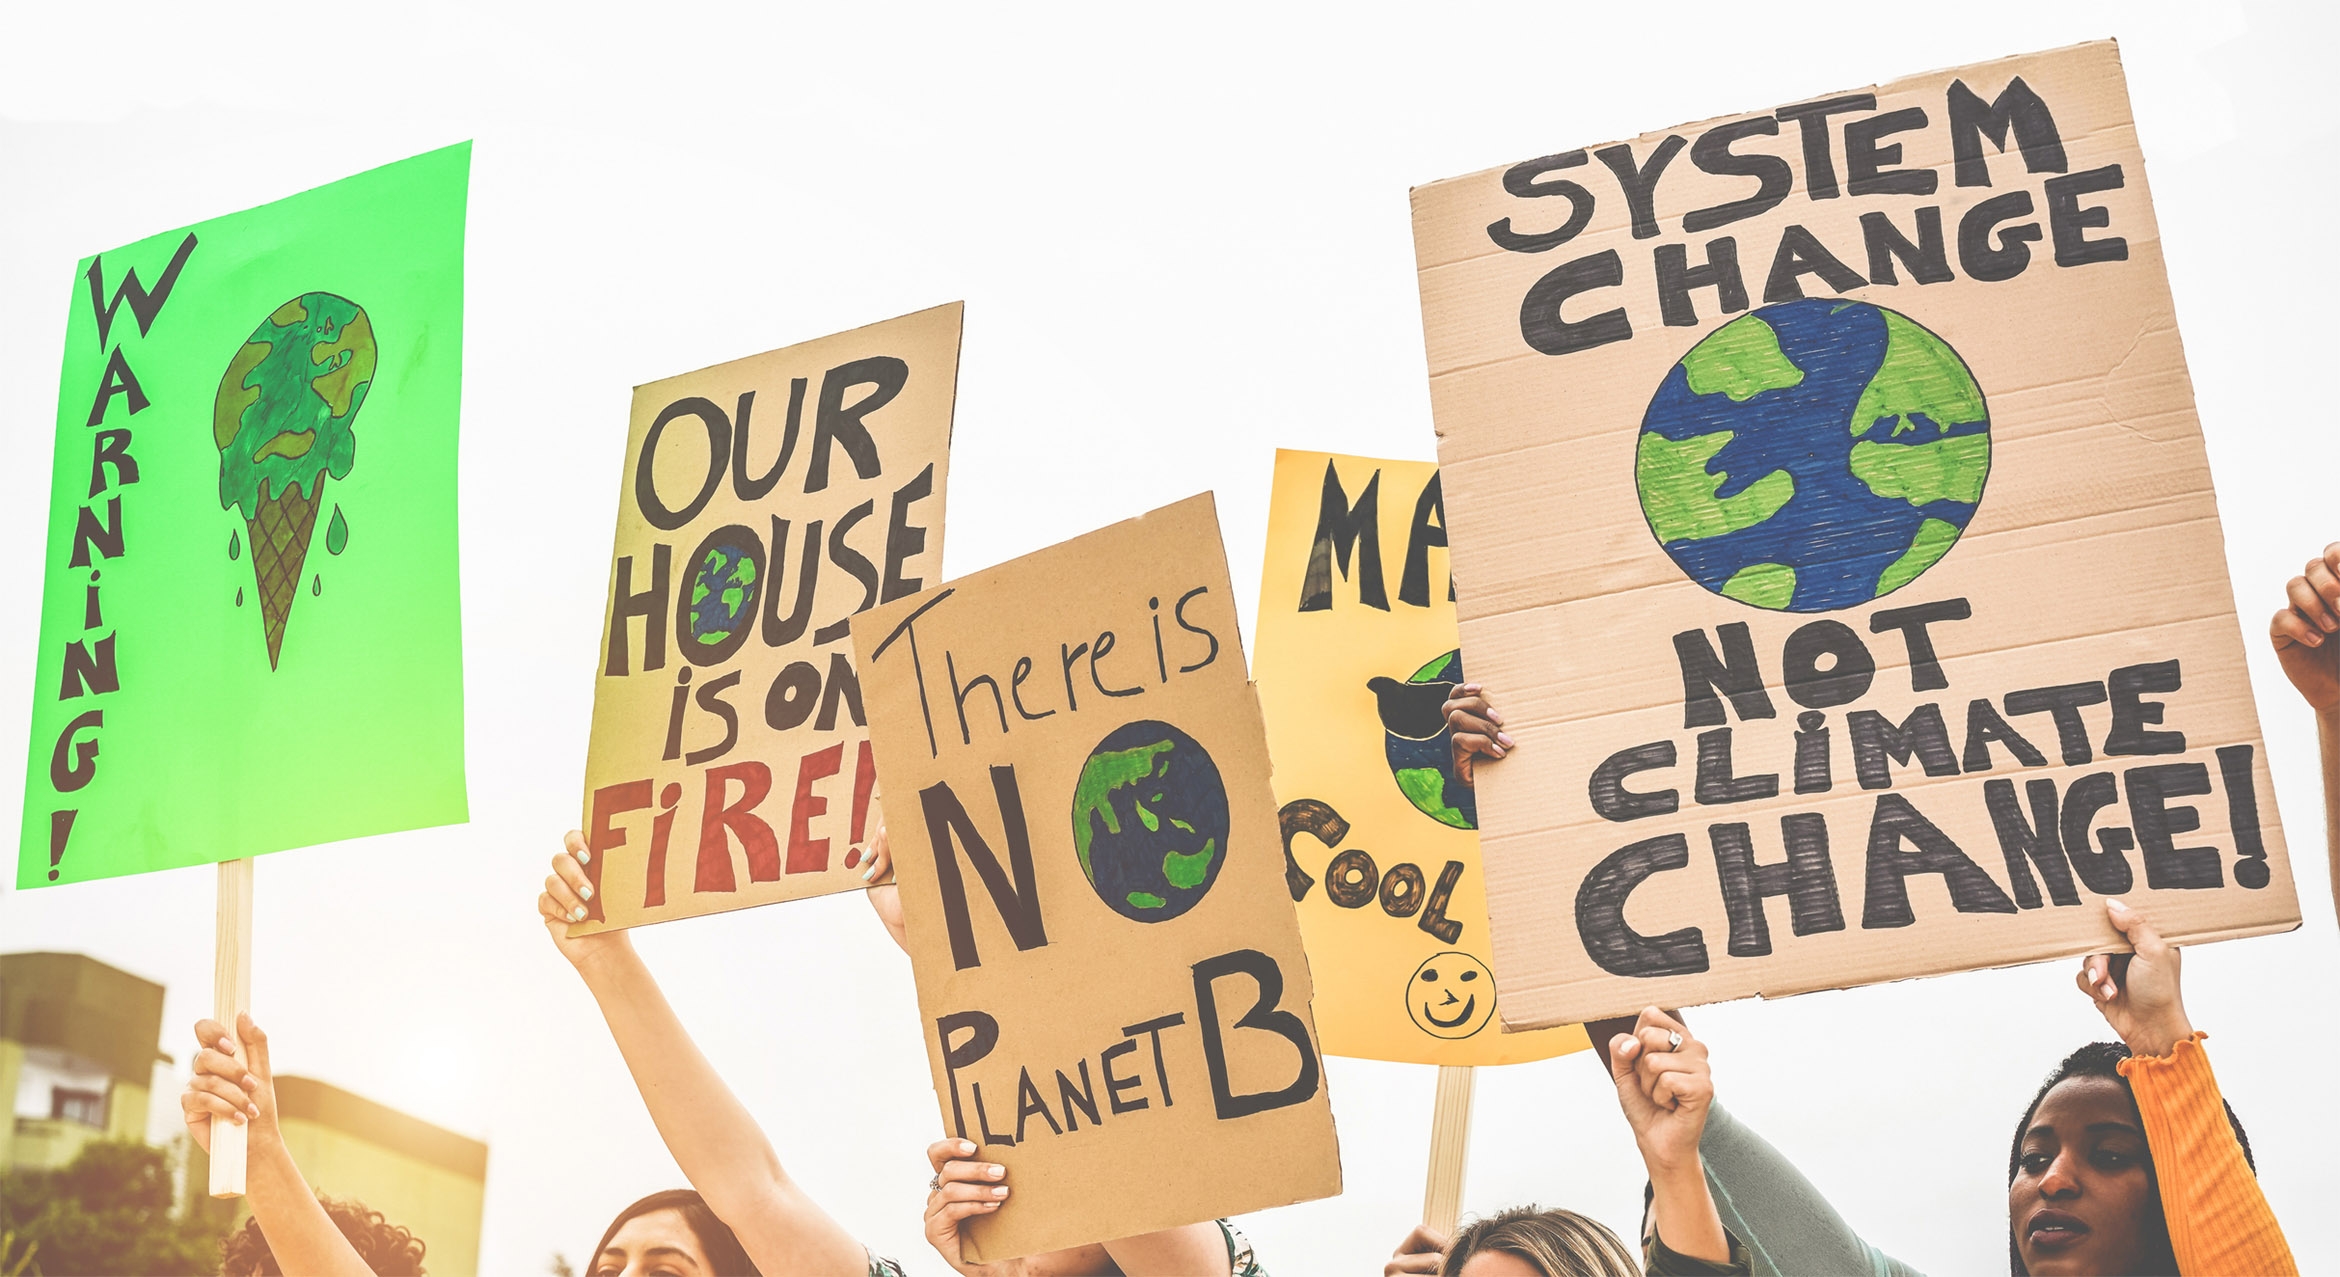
<point>1450,1145</point>
<point>231,994</point>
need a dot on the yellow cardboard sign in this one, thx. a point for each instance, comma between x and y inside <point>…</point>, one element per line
<point>764,502</point>
<point>1357,649</point>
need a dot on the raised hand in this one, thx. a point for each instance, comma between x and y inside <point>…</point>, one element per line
<point>1476,730</point>
<point>225,1087</point>
<point>1664,1086</point>
<point>566,889</point>
<point>2138,993</point>
<point>1423,1250</point>
<point>964,1188</point>
<point>2301,630</point>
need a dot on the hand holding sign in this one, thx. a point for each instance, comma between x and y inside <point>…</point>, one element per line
<point>562,903</point>
<point>2138,992</point>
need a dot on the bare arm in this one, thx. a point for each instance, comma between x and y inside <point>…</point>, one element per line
<point>711,1134</point>
<point>300,1234</point>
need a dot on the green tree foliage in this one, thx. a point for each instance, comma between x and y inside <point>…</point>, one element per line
<point>108,1211</point>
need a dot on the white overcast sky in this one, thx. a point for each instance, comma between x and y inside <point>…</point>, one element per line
<point>1182,236</point>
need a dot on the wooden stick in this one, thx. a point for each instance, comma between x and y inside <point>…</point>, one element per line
<point>1450,1145</point>
<point>231,994</point>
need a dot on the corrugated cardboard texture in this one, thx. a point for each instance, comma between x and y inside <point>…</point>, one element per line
<point>1115,995</point>
<point>2001,212</point>
<point>1355,656</point>
<point>729,764</point>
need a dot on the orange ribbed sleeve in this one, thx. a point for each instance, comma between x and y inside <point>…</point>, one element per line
<point>2219,1221</point>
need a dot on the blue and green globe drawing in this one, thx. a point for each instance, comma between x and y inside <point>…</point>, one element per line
<point>1149,820</point>
<point>1419,745</point>
<point>723,590</point>
<point>1813,455</point>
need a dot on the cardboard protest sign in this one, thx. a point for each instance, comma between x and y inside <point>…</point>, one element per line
<point>764,502</point>
<point>250,631</point>
<point>1085,835</point>
<point>1835,533</point>
<point>1357,651</point>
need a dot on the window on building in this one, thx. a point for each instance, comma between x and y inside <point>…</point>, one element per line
<point>68,1104</point>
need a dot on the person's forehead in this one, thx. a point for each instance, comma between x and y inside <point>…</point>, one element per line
<point>656,1228</point>
<point>1496,1263</point>
<point>2078,1102</point>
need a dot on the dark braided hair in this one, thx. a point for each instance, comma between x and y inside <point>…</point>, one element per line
<point>388,1249</point>
<point>2103,1059</point>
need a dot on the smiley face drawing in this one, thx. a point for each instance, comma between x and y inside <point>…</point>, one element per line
<point>1451,995</point>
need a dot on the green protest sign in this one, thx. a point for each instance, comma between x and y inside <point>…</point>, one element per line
<point>251,637</point>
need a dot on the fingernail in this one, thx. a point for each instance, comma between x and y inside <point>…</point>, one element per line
<point>1495,718</point>
<point>253,1109</point>
<point>1496,750</point>
<point>999,1190</point>
<point>584,855</point>
<point>585,892</point>
<point>964,1146</point>
<point>994,1172</point>
<point>2109,992</point>
<point>1505,739</point>
<point>227,1045</point>
<point>2117,905</point>
<point>870,872</point>
<point>238,1117</point>
<point>577,914</point>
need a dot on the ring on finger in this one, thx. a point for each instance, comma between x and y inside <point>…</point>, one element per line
<point>934,1183</point>
<point>1673,1039</point>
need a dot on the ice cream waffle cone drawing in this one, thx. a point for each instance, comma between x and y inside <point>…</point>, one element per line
<point>284,421</point>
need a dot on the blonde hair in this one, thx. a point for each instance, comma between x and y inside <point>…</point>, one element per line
<point>1560,1243</point>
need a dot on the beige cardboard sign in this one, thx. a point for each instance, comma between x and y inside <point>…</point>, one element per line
<point>1355,658</point>
<point>1831,523</point>
<point>764,502</point>
<point>1109,969</point>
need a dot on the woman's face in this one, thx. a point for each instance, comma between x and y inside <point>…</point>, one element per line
<point>656,1243</point>
<point>2083,1202</point>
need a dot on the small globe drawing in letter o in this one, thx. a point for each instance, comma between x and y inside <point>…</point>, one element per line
<point>1149,817</point>
<point>1813,455</point>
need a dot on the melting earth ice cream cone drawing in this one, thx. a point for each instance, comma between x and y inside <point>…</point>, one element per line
<point>283,421</point>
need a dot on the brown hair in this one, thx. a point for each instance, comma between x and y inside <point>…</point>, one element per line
<point>388,1249</point>
<point>725,1256</point>
<point>1560,1243</point>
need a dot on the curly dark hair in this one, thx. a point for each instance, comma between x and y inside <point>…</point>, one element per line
<point>2103,1059</point>
<point>388,1249</point>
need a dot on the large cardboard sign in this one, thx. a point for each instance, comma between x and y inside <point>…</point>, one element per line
<point>1116,998</point>
<point>763,503</point>
<point>1833,527</point>
<point>251,637</point>
<point>1357,652</point>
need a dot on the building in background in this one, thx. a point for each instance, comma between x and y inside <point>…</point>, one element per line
<point>79,1060</point>
<point>77,1055</point>
<point>425,1177</point>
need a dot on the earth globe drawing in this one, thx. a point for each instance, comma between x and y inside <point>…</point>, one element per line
<point>1415,740</point>
<point>1149,818</point>
<point>723,591</point>
<point>1813,455</point>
